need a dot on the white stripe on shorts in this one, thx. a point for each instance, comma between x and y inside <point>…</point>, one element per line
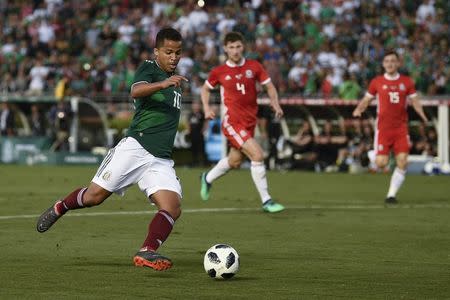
<point>233,132</point>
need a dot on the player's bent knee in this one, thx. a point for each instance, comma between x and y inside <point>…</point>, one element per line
<point>168,201</point>
<point>259,157</point>
<point>235,164</point>
<point>93,198</point>
<point>381,162</point>
<point>402,164</point>
<point>173,209</point>
<point>255,155</point>
<point>176,213</point>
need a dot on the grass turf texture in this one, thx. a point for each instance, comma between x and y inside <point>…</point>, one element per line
<point>335,240</point>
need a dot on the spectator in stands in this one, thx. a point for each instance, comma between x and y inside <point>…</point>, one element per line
<point>349,89</point>
<point>8,85</point>
<point>297,77</point>
<point>61,119</point>
<point>424,141</point>
<point>270,128</point>
<point>432,140</point>
<point>9,47</point>
<point>37,121</point>
<point>425,10</point>
<point>326,86</point>
<point>328,143</point>
<point>360,141</point>
<point>304,154</point>
<point>7,120</point>
<point>324,31</point>
<point>419,140</point>
<point>38,74</point>
<point>62,87</point>
<point>126,30</point>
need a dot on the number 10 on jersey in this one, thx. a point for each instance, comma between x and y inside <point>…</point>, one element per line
<point>177,100</point>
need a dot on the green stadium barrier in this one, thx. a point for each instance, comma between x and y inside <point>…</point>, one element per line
<point>59,158</point>
<point>35,150</point>
<point>11,148</point>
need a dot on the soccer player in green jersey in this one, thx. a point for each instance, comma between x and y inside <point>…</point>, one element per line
<point>144,155</point>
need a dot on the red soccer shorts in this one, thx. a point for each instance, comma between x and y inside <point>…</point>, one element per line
<point>237,134</point>
<point>396,139</point>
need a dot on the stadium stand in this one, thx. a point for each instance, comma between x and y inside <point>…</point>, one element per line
<point>326,49</point>
<point>307,46</point>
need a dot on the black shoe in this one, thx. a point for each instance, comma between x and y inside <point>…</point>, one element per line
<point>47,219</point>
<point>391,200</point>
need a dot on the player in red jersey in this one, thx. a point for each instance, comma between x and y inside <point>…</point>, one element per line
<point>237,79</point>
<point>392,90</point>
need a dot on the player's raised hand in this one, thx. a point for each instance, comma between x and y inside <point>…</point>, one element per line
<point>174,80</point>
<point>209,114</point>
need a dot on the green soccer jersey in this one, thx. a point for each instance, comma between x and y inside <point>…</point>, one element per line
<point>156,118</point>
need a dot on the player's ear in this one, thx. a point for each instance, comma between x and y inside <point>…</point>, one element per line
<point>155,51</point>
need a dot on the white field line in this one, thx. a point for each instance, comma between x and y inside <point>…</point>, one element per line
<point>232,209</point>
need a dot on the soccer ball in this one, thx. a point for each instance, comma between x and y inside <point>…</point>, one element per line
<point>432,168</point>
<point>221,261</point>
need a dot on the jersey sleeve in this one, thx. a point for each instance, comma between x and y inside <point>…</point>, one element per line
<point>411,88</point>
<point>213,78</point>
<point>261,74</point>
<point>144,73</point>
<point>372,90</point>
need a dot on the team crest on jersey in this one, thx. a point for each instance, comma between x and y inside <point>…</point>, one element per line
<point>402,87</point>
<point>243,133</point>
<point>228,77</point>
<point>106,176</point>
<point>238,76</point>
<point>380,147</point>
<point>248,73</point>
<point>384,87</point>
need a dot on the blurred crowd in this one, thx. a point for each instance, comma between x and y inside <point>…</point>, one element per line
<point>328,48</point>
<point>311,48</point>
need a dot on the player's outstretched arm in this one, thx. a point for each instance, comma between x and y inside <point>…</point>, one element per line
<point>417,105</point>
<point>274,103</point>
<point>144,89</point>
<point>205,93</point>
<point>362,105</point>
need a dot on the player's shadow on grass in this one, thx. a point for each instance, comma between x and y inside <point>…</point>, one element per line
<point>241,278</point>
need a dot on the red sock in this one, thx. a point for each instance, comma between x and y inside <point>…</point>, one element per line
<point>158,230</point>
<point>72,201</point>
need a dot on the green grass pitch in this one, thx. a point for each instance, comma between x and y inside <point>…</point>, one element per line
<point>336,240</point>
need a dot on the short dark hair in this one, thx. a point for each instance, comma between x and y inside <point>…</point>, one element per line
<point>390,52</point>
<point>232,37</point>
<point>167,34</point>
